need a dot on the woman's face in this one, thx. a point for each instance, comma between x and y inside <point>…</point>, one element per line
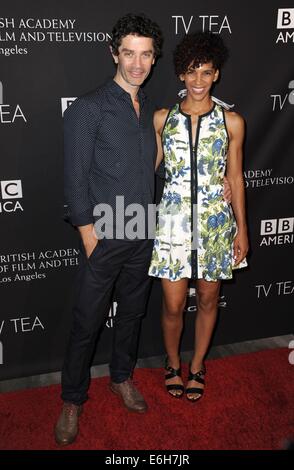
<point>199,80</point>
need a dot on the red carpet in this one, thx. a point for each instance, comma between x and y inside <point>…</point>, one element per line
<point>248,404</point>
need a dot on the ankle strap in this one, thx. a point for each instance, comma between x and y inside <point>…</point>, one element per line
<point>172,372</point>
<point>197,376</point>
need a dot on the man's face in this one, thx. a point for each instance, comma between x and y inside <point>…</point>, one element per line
<point>134,60</point>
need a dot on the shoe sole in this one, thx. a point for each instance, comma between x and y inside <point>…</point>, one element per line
<point>63,444</point>
<point>126,406</point>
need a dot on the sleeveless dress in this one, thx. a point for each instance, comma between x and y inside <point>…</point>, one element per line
<point>196,227</point>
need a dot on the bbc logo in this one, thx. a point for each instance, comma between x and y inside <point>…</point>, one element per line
<point>65,103</point>
<point>285,18</point>
<point>274,226</point>
<point>11,189</point>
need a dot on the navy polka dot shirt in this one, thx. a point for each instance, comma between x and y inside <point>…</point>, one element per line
<point>108,152</point>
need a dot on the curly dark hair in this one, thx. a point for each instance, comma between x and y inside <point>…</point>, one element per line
<point>199,48</point>
<point>138,25</point>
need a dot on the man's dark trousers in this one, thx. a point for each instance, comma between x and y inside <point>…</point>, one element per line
<point>118,264</point>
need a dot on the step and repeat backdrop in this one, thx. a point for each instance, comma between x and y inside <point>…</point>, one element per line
<point>54,51</point>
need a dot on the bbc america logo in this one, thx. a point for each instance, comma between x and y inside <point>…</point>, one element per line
<point>277,231</point>
<point>285,21</point>
<point>65,103</point>
<point>10,191</point>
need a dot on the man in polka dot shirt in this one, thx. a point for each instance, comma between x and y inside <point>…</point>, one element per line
<point>110,154</point>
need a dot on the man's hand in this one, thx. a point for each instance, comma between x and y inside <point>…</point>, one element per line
<point>241,246</point>
<point>227,191</point>
<point>90,245</point>
<point>89,238</point>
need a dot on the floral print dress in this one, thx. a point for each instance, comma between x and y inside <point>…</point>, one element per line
<point>196,227</point>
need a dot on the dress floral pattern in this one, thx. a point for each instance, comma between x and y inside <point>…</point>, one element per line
<point>196,227</point>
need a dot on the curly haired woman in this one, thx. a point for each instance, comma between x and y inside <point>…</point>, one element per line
<point>199,235</point>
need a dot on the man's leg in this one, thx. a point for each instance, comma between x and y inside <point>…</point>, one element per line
<point>94,285</point>
<point>132,292</point>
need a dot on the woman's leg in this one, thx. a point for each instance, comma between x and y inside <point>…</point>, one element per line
<point>174,300</point>
<point>207,306</point>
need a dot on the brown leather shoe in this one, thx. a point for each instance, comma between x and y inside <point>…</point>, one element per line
<point>130,396</point>
<point>67,426</point>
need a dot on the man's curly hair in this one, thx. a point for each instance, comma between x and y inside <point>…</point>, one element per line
<point>139,25</point>
<point>199,48</point>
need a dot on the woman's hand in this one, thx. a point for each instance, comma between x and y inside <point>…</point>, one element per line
<point>241,246</point>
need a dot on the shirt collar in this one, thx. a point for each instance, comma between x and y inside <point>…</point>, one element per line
<point>118,91</point>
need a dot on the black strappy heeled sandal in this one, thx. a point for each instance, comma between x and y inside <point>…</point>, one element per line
<point>173,387</point>
<point>198,377</point>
